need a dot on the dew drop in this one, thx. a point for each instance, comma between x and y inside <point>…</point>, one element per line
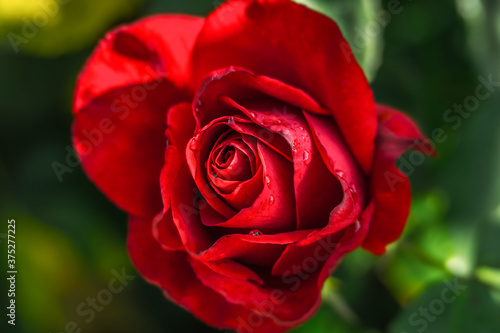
<point>270,121</point>
<point>231,121</point>
<point>301,128</point>
<point>198,105</point>
<point>215,175</point>
<point>194,144</point>
<point>340,174</point>
<point>268,182</point>
<point>357,226</point>
<point>253,115</point>
<point>306,156</point>
<point>255,233</point>
<point>271,200</point>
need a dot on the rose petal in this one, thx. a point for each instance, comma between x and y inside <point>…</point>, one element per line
<point>165,232</point>
<point>180,127</point>
<point>257,298</point>
<point>242,85</point>
<point>243,195</point>
<point>260,250</point>
<point>181,284</point>
<point>233,270</point>
<point>390,187</point>
<point>109,134</point>
<point>120,103</point>
<point>139,53</point>
<point>229,37</point>
<point>270,212</point>
<point>316,189</point>
<point>185,211</point>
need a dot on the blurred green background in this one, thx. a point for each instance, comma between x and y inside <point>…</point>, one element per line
<point>421,56</point>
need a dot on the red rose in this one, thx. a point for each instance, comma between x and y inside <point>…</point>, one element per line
<point>249,153</point>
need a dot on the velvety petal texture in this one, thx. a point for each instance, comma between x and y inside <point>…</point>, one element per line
<point>120,104</point>
<point>249,153</point>
<point>297,46</point>
<point>390,187</point>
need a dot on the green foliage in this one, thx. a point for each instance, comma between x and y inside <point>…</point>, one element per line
<point>446,309</point>
<point>56,27</point>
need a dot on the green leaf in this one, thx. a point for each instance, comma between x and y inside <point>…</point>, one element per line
<point>489,276</point>
<point>483,31</point>
<point>327,321</point>
<point>451,307</point>
<point>407,273</point>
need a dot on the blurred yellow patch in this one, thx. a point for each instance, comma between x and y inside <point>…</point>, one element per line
<point>16,9</point>
<point>56,27</point>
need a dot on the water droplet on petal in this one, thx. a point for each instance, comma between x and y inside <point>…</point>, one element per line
<point>268,181</point>
<point>198,105</point>
<point>255,233</point>
<point>231,121</point>
<point>340,174</point>
<point>253,115</point>
<point>306,156</point>
<point>215,175</point>
<point>194,144</point>
<point>357,226</point>
<point>271,121</point>
<point>271,200</point>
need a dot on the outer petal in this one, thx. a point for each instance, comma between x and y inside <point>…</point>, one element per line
<point>299,47</point>
<point>171,271</point>
<point>120,104</point>
<point>390,187</point>
<point>153,48</point>
<point>122,146</point>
